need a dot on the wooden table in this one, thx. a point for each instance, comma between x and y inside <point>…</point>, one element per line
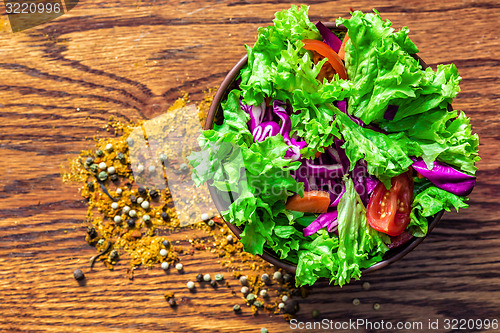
<point>61,81</point>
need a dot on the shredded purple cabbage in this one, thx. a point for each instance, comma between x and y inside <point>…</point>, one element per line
<point>445,177</point>
<point>390,112</point>
<point>286,127</point>
<point>265,129</point>
<point>329,38</point>
<point>328,219</point>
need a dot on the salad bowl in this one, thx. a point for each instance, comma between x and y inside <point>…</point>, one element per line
<point>215,116</point>
<point>331,150</point>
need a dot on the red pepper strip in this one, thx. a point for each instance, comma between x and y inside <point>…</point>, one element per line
<point>327,52</point>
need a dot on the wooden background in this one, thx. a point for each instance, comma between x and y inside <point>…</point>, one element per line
<point>60,82</point>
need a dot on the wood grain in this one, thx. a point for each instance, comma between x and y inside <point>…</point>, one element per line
<point>60,83</point>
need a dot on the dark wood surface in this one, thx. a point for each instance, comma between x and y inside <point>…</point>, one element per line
<point>60,82</point>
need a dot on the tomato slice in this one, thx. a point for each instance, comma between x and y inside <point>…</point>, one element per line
<point>326,51</point>
<point>389,210</point>
<point>311,202</point>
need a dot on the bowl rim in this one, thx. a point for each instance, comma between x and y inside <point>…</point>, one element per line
<point>390,256</point>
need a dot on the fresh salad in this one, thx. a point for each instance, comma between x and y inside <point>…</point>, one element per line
<point>337,146</point>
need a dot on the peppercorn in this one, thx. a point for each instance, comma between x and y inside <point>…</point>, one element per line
<point>206,277</point>
<point>154,194</point>
<point>263,330</point>
<point>183,167</point>
<point>91,232</point>
<point>165,217</point>
<point>265,278</point>
<point>315,314</point>
<point>179,267</point>
<point>281,306</point>
<point>219,277</point>
<point>291,306</point>
<point>114,177</point>
<point>102,166</point>
<point>244,290</point>
<point>130,141</point>
<point>356,301</point>
<point>164,265</point>
<point>126,210</point>
<point>199,277</point>
<point>243,280</point>
<point>146,218</point>
<point>210,223</point>
<point>366,285</point>
<point>213,283</point>
<point>90,186</point>
<point>376,306</point>
<point>120,157</point>
<point>263,293</point>
<point>151,168</point>
<point>163,158</point>
<point>140,168</point>
<point>190,285</point>
<point>111,170</point>
<point>114,205</point>
<point>109,147</point>
<point>236,308</point>
<point>251,297</point>
<point>99,153</point>
<point>145,204</point>
<point>117,219</point>
<point>142,191</point>
<point>258,304</point>
<point>277,275</point>
<point>166,243</point>
<point>113,255</point>
<point>78,274</point>
<point>140,200</point>
<point>89,161</point>
<point>102,176</point>
<point>133,199</point>
<point>172,302</point>
<point>229,238</point>
<point>163,252</point>
<point>132,213</point>
<point>284,298</point>
<point>287,277</point>
<point>204,217</point>
<point>131,223</point>
<point>94,167</point>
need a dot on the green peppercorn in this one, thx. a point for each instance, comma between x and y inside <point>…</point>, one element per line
<point>376,306</point>
<point>366,285</point>
<point>315,314</point>
<point>210,223</point>
<point>94,167</point>
<point>99,153</point>
<point>219,277</point>
<point>90,186</point>
<point>263,330</point>
<point>251,298</point>
<point>130,141</point>
<point>114,177</point>
<point>102,176</point>
<point>258,304</point>
<point>356,301</point>
<point>120,157</point>
<point>89,161</point>
<point>236,308</point>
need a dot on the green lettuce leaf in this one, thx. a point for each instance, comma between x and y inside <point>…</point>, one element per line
<point>429,201</point>
<point>360,246</point>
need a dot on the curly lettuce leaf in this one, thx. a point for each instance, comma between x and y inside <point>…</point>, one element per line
<point>360,246</point>
<point>429,201</point>
<point>383,72</point>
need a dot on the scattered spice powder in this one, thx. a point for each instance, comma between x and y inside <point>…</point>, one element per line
<point>117,224</point>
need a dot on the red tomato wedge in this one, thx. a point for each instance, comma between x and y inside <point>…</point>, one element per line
<point>326,51</point>
<point>312,202</point>
<point>342,47</point>
<point>389,210</point>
